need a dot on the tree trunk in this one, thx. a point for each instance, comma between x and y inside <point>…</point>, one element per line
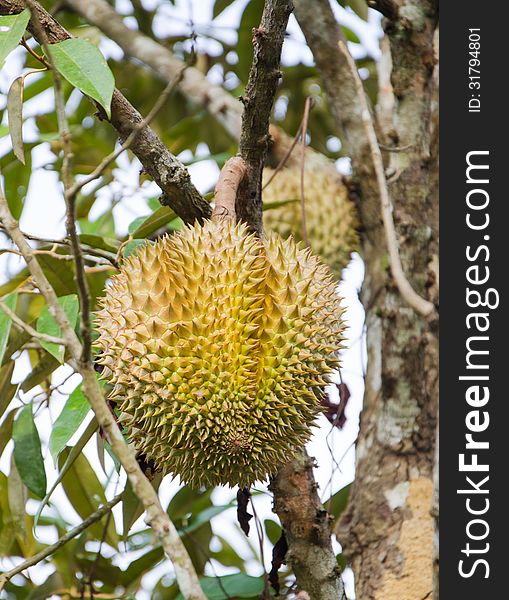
<point>387,531</point>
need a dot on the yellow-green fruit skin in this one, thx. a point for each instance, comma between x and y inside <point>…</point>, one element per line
<point>331,217</point>
<point>218,346</point>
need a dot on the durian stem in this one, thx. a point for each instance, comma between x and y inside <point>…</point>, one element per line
<point>164,530</point>
<point>230,179</point>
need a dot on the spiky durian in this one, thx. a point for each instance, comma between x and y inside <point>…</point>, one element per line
<point>331,218</point>
<point>218,345</point>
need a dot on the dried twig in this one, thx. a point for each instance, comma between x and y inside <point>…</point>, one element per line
<point>304,130</point>
<point>409,295</point>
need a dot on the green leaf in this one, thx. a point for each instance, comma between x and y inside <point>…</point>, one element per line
<point>145,226</point>
<point>278,203</point>
<point>139,566</point>
<point>239,585</point>
<point>99,242</point>
<point>6,429</point>
<point>5,324</point>
<point>133,225</point>
<point>46,324</point>
<point>72,416</point>
<point>12,28</point>
<point>360,8</point>
<point>7,389</point>
<point>250,18</point>
<point>337,503</point>
<point>204,517</point>
<point>350,35</point>
<point>273,530</point>
<point>18,496</point>
<point>16,181</point>
<point>86,494</point>
<point>27,452</point>
<point>132,508</point>
<point>15,114</point>
<point>6,530</point>
<point>71,456</point>
<point>132,246</point>
<point>83,65</point>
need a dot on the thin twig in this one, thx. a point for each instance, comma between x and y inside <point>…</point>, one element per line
<point>37,558</point>
<point>67,177</point>
<point>43,337</point>
<point>411,297</point>
<point>304,131</point>
<point>285,158</point>
<point>99,170</point>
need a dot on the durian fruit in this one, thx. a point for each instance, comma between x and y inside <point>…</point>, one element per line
<point>218,346</point>
<point>331,218</point>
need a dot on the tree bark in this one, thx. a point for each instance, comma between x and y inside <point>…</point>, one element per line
<point>387,530</point>
<point>307,527</point>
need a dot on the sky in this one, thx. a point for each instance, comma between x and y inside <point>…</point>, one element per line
<point>44,215</point>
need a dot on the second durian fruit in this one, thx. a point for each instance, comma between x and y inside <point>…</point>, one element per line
<point>218,346</point>
<point>331,217</point>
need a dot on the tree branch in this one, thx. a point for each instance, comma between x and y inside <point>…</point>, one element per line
<point>307,529</point>
<point>49,550</point>
<point>164,530</point>
<point>166,170</point>
<point>44,337</point>
<point>258,100</point>
<point>352,115</point>
<point>194,85</point>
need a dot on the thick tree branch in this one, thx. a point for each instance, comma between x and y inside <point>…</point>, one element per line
<point>352,115</point>
<point>166,170</point>
<point>258,100</point>
<point>307,529</point>
<point>164,530</point>
<point>49,550</point>
<point>194,85</point>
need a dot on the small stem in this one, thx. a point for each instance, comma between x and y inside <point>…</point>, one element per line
<point>231,176</point>
<point>304,130</point>
<point>409,295</point>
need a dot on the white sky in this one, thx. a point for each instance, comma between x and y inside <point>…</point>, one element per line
<point>44,216</point>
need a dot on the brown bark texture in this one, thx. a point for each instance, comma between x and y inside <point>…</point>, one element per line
<point>388,529</point>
